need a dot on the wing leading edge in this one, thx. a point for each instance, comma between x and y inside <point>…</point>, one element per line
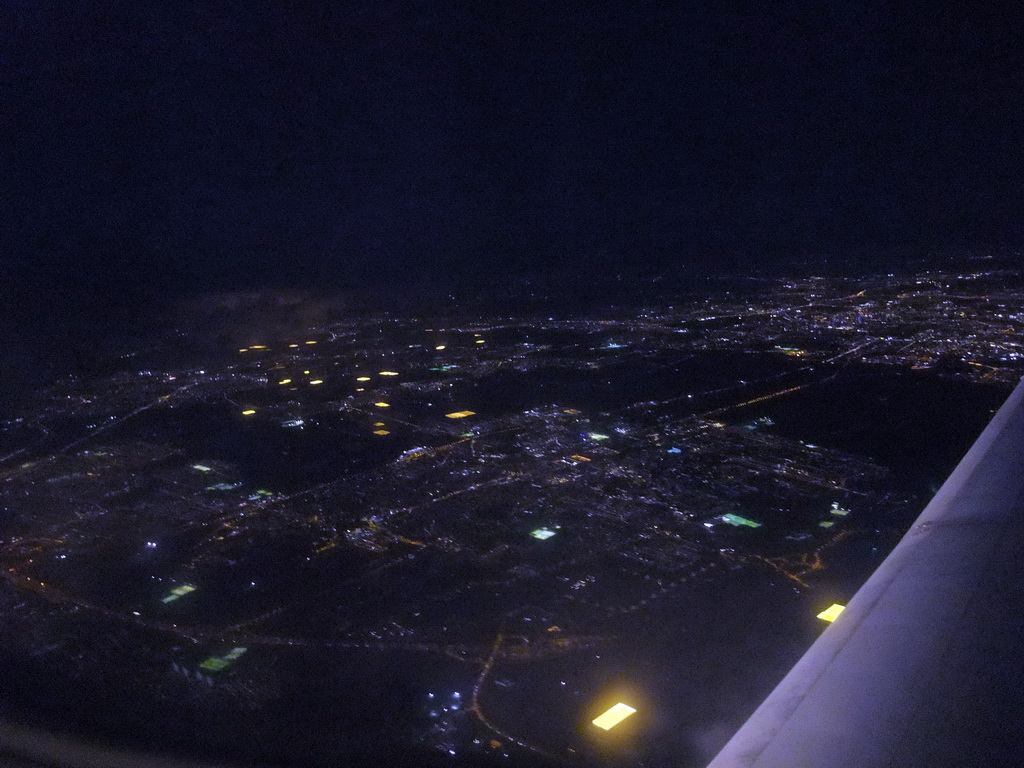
<point>925,667</point>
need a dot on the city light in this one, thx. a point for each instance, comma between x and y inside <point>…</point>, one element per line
<point>178,592</point>
<point>736,520</point>
<point>831,613</point>
<point>613,716</point>
<point>460,414</point>
<point>220,663</point>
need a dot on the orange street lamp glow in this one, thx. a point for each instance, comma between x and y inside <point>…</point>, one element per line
<point>613,716</point>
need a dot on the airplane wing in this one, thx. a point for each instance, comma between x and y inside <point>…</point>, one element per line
<point>925,667</point>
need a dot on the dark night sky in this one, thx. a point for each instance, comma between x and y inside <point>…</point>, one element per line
<point>154,148</point>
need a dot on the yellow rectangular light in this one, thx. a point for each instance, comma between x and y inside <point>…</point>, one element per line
<point>382,404</point>
<point>363,378</point>
<point>439,347</point>
<point>613,716</point>
<point>460,414</point>
<point>249,412</point>
<point>389,373</point>
<point>285,381</point>
<point>316,381</point>
<point>832,612</point>
<point>381,432</point>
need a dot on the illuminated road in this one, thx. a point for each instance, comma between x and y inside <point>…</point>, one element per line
<point>475,701</point>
